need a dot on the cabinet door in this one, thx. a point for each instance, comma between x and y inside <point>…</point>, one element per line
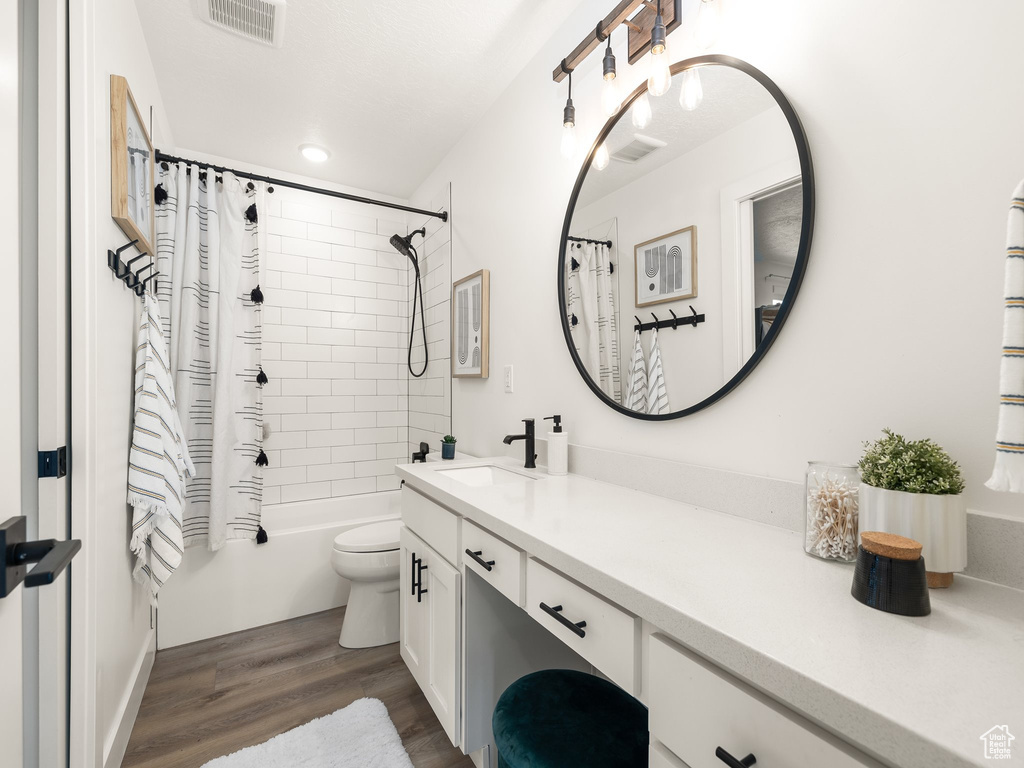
<point>413,616</point>
<point>443,599</point>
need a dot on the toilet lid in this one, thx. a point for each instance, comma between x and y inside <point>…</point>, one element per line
<point>375,537</point>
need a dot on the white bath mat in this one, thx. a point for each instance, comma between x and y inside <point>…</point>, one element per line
<point>359,736</point>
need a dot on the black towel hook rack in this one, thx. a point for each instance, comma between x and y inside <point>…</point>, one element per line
<point>674,323</point>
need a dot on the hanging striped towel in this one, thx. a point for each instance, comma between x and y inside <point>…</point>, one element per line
<point>1008,474</point>
<point>657,396</point>
<point>636,398</point>
<point>158,462</point>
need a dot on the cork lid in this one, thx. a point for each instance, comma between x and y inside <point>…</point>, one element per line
<point>890,545</point>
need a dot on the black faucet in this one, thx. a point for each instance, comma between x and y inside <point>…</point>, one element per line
<point>530,447</point>
<point>421,455</point>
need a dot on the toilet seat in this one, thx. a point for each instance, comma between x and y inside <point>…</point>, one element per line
<point>375,537</point>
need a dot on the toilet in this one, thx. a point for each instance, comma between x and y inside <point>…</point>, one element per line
<point>368,557</point>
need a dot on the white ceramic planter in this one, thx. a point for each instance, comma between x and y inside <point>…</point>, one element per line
<point>939,522</point>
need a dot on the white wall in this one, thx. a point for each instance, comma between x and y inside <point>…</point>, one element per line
<point>692,357</point>
<point>335,327</point>
<point>899,320</point>
<point>111,633</point>
<point>430,395</point>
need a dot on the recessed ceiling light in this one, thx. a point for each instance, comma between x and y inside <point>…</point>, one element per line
<point>314,153</point>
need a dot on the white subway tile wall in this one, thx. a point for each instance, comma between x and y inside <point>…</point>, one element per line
<point>430,397</point>
<point>335,329</point>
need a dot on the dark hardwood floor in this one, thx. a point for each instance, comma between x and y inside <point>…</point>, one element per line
<point>217,696</point>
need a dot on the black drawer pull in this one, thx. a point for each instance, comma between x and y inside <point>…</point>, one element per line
<point>732,762</point>
<point>556,612</point>
<point>420,591</point>
<point>412,573</point>
<point>486,564</point>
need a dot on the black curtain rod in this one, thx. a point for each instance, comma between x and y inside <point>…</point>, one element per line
<point>163,157</point>
<point>588,240</point>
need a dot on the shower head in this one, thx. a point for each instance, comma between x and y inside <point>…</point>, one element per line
<point>404,244</point>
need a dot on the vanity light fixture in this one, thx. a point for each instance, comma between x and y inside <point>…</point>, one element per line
<point>708,17</point>
<point>314,153</point>
<point>610,100</point>
<point>692,92</point>
<point>601,157</point>
<point>569,125</point>
<point>641,112</point>
<point>660,79</point>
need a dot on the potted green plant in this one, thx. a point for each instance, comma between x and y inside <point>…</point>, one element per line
<point>448,447</point>
<point>913,488</point>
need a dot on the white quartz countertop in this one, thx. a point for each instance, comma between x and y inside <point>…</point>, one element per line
<point>908,691</point>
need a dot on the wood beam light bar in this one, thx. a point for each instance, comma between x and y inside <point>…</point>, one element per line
<point>639,31</point>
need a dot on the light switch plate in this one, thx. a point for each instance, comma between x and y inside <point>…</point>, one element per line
<point>508,379</point>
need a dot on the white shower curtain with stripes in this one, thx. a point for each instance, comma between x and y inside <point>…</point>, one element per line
<point>207,247</point>
<point>591,301</point>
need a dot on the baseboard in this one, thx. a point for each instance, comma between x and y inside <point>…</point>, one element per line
<point>130,707</point>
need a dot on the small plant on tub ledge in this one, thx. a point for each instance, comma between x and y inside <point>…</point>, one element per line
<point>448,447</point>
<point>913,488</point>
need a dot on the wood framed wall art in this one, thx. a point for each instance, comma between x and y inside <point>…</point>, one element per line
<point>666,268</point>
<point>471,304</point>
<point>131,167</point>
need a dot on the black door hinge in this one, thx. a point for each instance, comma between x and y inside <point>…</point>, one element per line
<point>53,463</point>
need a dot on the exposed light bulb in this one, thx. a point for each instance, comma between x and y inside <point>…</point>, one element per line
<point>601,158</point>
<point>569,125</point>
<point>660,79</point>
<point>610,100</point>
<point>568,141</point>
<point>641,112</point>
<point>708,18</point>
<point>692,91</point>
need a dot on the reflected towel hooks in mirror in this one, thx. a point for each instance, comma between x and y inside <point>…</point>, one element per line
<point>674,323</point>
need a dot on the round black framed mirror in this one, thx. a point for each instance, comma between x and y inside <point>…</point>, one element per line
<point>685,239</point>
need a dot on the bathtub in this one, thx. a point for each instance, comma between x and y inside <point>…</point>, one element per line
<point>247,585</point>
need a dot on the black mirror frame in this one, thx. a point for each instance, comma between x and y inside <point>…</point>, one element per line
<point>807,226</point>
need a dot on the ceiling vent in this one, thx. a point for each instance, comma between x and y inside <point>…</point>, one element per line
<point>639,148</point>
<point>259,20</point>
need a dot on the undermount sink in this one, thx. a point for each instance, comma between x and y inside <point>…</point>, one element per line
<point>484,475</point>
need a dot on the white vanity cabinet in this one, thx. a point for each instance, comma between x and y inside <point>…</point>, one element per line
<point>697,708</point>
<point>430,631</point>
<point>480,611</point>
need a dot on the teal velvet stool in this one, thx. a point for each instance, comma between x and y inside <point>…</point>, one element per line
<point>560,718</point>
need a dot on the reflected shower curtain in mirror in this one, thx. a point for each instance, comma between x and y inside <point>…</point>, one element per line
<point>208,259</point>
<point>591,301</point>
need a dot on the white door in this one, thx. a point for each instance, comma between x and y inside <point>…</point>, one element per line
<point>412,619</point>
<point>440,584</point>
<point>33,349</point>
<point>11,704</point>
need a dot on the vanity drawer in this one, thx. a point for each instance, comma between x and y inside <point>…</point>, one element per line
<point>431,522</point>
<point>506,562</point>
<point>610,638</point>
<point>696,708</point>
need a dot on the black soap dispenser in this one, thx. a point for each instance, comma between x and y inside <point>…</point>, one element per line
<point>558,448</point>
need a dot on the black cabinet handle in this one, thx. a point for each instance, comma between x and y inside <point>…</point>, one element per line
<point>486,564</point>
<point>732,762</point>
<point>412,574</point>
<point>420,591</point>
<point>556,612</point>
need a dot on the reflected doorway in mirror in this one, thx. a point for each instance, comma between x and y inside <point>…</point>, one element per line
<point>666,268</point>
